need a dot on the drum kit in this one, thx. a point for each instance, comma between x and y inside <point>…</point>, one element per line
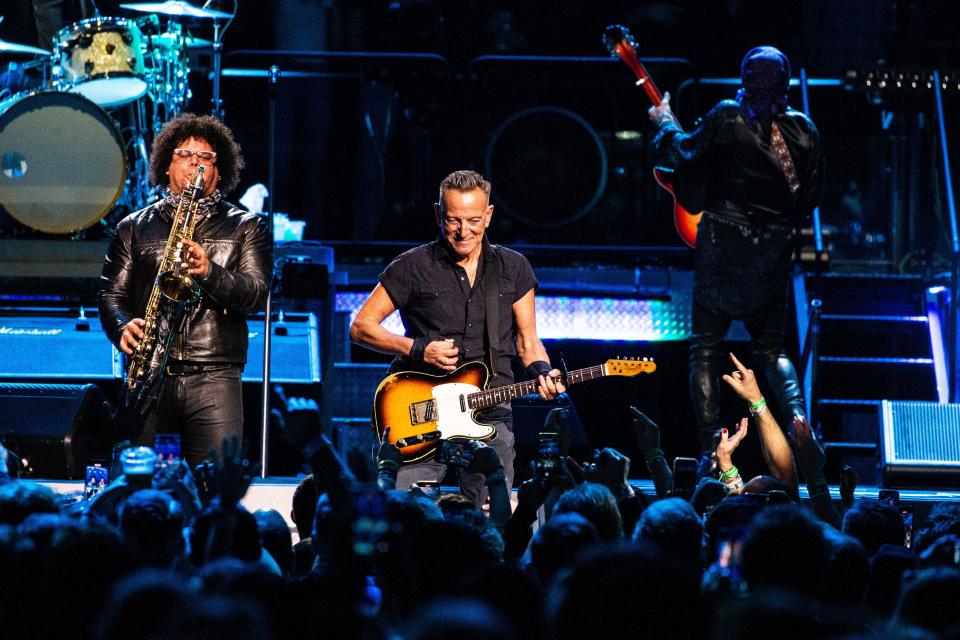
<point>75,149</point>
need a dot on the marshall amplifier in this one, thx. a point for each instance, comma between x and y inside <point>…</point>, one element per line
<point>920,444</point>
<point>39,347</point>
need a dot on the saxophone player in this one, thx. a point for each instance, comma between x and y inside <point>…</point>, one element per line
<point>229,257</point>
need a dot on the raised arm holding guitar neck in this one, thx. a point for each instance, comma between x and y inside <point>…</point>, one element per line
<point>761,167</point>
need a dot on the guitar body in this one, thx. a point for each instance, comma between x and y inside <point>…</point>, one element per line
<point>685,222</point>
<point>421,408</point>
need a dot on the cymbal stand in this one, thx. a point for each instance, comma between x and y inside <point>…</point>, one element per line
<point>217,110</point>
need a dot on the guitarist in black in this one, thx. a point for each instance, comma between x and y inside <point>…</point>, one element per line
<point>460,299</point>
<point>762,167</point>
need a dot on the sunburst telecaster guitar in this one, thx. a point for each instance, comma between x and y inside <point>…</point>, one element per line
<point>621,45</point>
<point>420,408</point>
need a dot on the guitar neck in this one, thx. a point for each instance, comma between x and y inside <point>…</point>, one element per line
<point>491,397</point>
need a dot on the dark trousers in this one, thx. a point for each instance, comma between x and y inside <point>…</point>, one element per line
<point>203,407</point>
<point>472,485</point>
<point>708,361</point>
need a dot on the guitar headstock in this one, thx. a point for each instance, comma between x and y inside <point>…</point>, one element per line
<point>621,45</point>
<point>629,366</point>
<point>616,36</point>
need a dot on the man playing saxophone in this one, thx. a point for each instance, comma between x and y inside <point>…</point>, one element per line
<point>198,392</point>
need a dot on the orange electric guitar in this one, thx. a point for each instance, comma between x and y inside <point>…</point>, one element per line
<point>420,408</point>
<point>621,45</point>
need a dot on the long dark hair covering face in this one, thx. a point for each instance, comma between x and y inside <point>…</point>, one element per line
<point>765,76</point>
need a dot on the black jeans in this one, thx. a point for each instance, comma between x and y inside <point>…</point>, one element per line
<point>708,361</point>
<point>203,407</point>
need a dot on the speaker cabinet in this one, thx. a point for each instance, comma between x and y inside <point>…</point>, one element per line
<point>55,429</point>
<point>920,444</point>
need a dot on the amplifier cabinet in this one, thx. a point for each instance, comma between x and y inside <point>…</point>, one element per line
<point>41,347</point>
<point>920,444</point>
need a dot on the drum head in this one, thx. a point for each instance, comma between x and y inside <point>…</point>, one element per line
<point>62,161</point>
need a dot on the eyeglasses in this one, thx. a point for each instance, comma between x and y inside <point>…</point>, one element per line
<point>204,157</point>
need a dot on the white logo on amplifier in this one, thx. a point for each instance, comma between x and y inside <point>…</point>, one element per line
<point>15,331</point>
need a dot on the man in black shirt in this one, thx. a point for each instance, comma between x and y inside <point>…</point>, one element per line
<point>762,169</point>
<point>441,290</point>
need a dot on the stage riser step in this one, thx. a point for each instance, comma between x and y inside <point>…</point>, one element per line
<point>867,380</point>
<point>845,425</point>
<point>877,295</point>
<point>884,339</point>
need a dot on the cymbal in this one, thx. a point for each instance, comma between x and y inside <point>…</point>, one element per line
<point>168,39</point>
<point>175,8</point>
<point>13,47</point>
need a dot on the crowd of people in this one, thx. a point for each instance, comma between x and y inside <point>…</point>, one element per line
<point>582,554</point>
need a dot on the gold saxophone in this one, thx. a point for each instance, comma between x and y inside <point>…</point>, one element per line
<point>174,292</point>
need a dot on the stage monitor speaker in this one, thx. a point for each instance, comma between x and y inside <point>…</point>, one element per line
<point>55,430</point>
<point>920,444</point>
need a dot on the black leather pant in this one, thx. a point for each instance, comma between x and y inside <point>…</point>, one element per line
<point>204,407</point>
<point>709,360</point>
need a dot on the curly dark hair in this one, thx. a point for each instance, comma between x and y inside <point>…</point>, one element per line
<point>190,125</point>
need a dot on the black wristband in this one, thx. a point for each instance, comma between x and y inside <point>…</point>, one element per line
<point>419,346</point>
<point>538,368</point>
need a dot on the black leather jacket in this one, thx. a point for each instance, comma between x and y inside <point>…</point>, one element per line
<point>238,249</point>
<point>739,168</point>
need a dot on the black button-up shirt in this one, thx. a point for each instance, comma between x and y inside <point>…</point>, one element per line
<point>436,301</point>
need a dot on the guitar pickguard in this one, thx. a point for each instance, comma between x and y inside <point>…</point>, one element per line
<point>455,418</point>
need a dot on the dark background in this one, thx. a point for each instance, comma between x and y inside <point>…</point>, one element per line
<point>363,142</point>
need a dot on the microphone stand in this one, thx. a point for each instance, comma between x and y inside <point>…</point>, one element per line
<point>273,77</point>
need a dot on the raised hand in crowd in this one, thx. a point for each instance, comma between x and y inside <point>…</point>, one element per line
<point>849,478</point>
<point>810,458</point>
<point>299,418</point>
<point>808,450</point>
<point>331,475</point>
<point>608,467</point>
<point>648,440</point>
<point>232,474</point>
<point>773,442</point>
<point>484,460</point>
<point>729,474</point>
<point>176,480</point>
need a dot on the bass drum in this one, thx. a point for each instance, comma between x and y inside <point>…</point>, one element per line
<point>62,161</point>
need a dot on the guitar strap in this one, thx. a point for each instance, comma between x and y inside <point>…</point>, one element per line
<point>784,158</point>
<point>491,288</point>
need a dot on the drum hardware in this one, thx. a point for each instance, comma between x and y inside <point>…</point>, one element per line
<point>13,47</point>
<point>176,8</point>
<point>185,10</point>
